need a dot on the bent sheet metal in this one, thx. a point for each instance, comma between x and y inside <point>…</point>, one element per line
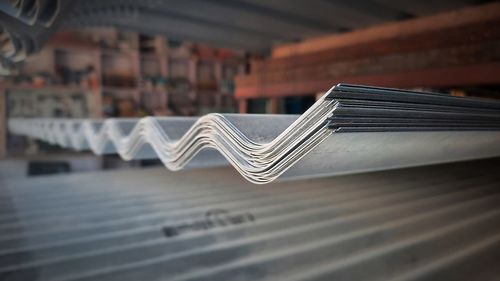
<point>349,129</point>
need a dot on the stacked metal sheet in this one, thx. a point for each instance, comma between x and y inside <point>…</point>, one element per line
<point>349,129</point>
<point>426,223</point>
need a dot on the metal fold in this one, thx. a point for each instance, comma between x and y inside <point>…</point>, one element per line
<point>349,129</point>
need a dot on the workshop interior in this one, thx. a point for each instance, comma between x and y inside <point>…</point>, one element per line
<point>249,140</point>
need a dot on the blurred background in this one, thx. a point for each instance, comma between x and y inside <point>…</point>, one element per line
<point>110,58</point>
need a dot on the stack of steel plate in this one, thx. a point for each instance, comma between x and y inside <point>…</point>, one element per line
<point>428,223</point>
<point>350,129</point>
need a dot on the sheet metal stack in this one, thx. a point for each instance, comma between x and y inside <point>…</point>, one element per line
<point>368,109</point>
<point>350,129</point>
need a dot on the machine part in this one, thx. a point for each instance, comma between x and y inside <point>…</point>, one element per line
<point>31,12</point>
<point>49,9</point>
<point>350,129</point>
<point>25,25</point>
<point>7,46</point>
<point>427,223</point>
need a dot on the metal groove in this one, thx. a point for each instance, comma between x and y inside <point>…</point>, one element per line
<point>174,216</point>
<point>317,229</point>
<point>188,199</point>
<point>320,245</point>
<point>210,252</point>
<point>263,147</point>
<point>152,243</point>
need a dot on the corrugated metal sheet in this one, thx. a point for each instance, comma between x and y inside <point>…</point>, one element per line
<point>350,129</point>
<point>429,223</point>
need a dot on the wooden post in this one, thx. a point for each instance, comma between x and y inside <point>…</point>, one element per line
<point>193,77</point>
<point>3,123</point>
<point>161,49</point>
<point>218,69</point>
<point>273,106</point>
<point>243,106</point>
<point>96,111</point>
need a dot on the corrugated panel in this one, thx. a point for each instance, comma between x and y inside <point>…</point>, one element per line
<point>349,129</point>
<point>429,223</point>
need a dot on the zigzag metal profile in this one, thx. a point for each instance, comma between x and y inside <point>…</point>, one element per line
<point>255,161</point>
<point>263,147</point>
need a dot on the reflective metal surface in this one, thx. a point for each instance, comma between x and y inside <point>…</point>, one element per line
<point>427,223</point>
<point>350,129</point>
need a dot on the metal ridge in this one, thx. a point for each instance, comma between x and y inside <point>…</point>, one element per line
<point>428,223</point>
<point>349,129</point>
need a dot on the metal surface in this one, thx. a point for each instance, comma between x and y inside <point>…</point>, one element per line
<point>350,129</point>
<point>427,223</point>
